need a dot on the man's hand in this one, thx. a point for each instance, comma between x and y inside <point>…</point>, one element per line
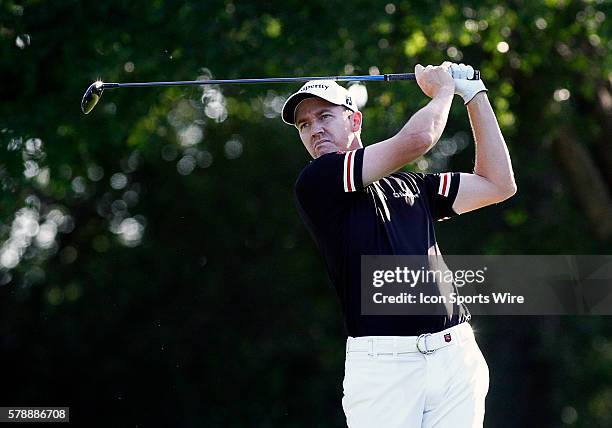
<point>432,79</point>
<point>466,88</point>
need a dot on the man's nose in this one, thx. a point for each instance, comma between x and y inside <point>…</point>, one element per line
<point>316,129</point>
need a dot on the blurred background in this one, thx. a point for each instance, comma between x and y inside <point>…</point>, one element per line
<point>153,268</point>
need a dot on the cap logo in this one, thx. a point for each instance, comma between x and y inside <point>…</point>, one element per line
<point>349,101</point>
<point>320,86</point>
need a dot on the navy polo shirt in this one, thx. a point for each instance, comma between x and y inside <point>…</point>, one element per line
<point>392,216</point>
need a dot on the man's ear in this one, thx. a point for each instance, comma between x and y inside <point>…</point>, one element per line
<point>356,121</point>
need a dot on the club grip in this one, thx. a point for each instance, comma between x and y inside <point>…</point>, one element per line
<point>400,76</point>
<point>412,76</point>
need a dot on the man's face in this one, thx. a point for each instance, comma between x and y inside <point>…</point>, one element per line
<point>325,127</point>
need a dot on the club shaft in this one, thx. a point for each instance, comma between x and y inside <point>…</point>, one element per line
<point>381,77</point>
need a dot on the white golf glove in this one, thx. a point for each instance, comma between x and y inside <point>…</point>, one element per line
<point>464,87</point>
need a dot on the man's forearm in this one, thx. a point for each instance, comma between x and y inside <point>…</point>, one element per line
<point>427,124</point>
<point>492,157</point>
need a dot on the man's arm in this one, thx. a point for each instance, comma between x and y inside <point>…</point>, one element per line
<point>493,178</point>
<point>420,133</point>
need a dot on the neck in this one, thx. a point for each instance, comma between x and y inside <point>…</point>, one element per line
<point>355,143</point>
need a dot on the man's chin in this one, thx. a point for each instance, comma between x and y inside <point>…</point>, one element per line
<point>323,151</point>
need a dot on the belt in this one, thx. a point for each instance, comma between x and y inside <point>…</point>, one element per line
<point>425,343</point>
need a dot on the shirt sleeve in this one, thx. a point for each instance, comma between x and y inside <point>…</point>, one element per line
<point>327,184</point>
<point>442,190</point>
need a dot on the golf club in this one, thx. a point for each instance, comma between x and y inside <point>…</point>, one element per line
<point>94,92</point>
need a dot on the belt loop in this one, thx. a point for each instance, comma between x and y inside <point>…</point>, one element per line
<point>371,346</point>
<point>395,348</point>
<point>375,347</point>
<point>466,331</point>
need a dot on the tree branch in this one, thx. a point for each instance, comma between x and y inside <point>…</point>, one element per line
<point>586,181</point>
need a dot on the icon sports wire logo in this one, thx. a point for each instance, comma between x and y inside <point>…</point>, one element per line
<point>513,284</point>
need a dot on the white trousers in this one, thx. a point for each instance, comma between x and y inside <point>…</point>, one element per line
<point>399,387</point>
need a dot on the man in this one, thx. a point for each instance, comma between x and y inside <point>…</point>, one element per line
<point>401,371</point>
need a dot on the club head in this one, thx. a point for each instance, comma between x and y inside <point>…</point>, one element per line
<point>92,96</point>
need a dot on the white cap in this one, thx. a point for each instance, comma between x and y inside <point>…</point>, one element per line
<point>324,89</point>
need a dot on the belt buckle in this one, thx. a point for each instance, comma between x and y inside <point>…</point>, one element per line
<point>424,351</point>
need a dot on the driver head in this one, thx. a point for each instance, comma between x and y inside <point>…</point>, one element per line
<point>92,96</point>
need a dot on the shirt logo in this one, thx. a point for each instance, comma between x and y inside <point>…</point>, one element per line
<point>447,337</point>
<point>408,196</point>
<point>405,194</point>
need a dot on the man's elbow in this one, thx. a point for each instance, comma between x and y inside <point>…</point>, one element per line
<point>507,192</point>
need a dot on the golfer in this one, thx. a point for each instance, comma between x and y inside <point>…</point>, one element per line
<point>400,371</point>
